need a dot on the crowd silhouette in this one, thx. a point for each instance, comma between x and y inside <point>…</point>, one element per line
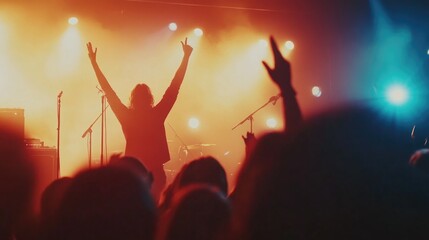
<point>346,173</point>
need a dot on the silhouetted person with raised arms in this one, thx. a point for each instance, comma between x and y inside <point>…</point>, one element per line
<point>142,122</point>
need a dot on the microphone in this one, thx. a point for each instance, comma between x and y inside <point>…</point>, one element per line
<point>89,130</point>
<point>60,94</point>
<point>275,98</point>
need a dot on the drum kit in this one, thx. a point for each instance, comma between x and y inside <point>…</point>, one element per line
<point>186,153</point>
<point>190,152</point>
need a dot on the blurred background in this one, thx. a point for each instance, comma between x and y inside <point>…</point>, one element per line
<point>371,51</point>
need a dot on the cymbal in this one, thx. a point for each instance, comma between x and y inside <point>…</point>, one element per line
<point>200,145</point>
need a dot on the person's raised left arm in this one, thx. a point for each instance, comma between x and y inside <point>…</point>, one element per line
<point>171,93</point>
<point>281,75</point>
<point>180,73</point>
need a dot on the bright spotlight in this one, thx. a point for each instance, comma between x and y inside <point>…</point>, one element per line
<point>172,26</point>
<point>198,32</point>
<point>271,123</point>
<point>73,20</point>
<point>428,52</point>
<point>289,45</point>
<point>193,122</point>
<point>65,59</point>
<point>316,91</point>
<point>263,43</point>
<point>397,95</point>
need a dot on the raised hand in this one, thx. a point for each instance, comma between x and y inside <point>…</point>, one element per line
<point>249,138</point>
<point>187,49</point>
<point>91,53</point>
<point>249,142</point>
<point>281,73</point>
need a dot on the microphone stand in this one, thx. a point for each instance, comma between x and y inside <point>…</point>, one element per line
<point>272,99</point>
<point>58,132</point>
<point>103,120</point>
<point>183,146</point>
<point>89,131</point>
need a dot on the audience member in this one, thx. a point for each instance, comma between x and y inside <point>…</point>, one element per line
<point>342,174</point>
<point>106,203</point>
<point>198,211</point>
<point>134,165</point>
<point>49,205</point>
<point>281,75</point>
<point>205,170</point>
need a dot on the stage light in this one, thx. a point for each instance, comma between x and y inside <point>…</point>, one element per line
<point>316,91</point>
<point>263,43</point>
<point>198,32</point>
<point>289,45</point>
<point>172,26</point>
<point>397,95</point>
<point>66,58</point>
<point>271,123</point>
<point>73,20</point>
<point>428,52</point>
<point>193,123</point>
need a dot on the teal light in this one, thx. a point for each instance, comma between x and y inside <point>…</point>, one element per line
<point>397,95</point>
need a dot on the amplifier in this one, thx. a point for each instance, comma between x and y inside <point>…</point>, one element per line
<point>45,164</point>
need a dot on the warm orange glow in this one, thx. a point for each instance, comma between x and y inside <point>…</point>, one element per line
<point>65,59</point>
<point>225,81</point>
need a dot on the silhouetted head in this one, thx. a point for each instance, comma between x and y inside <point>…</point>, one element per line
<point>343,175</point>
<point>206,170</point>
<point>134,165</point>
<point>199,211</point>
<point>141,97</point>
<point>50,202</point>
<point>106,203</point>
<point>52,195</point>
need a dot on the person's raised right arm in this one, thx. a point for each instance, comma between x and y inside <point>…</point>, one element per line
<point>114,101</point>
<point>100,76</point>
<point>282,76</point>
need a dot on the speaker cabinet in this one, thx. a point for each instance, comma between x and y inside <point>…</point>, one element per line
<point>45,165</point>
<point>13,118</point>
